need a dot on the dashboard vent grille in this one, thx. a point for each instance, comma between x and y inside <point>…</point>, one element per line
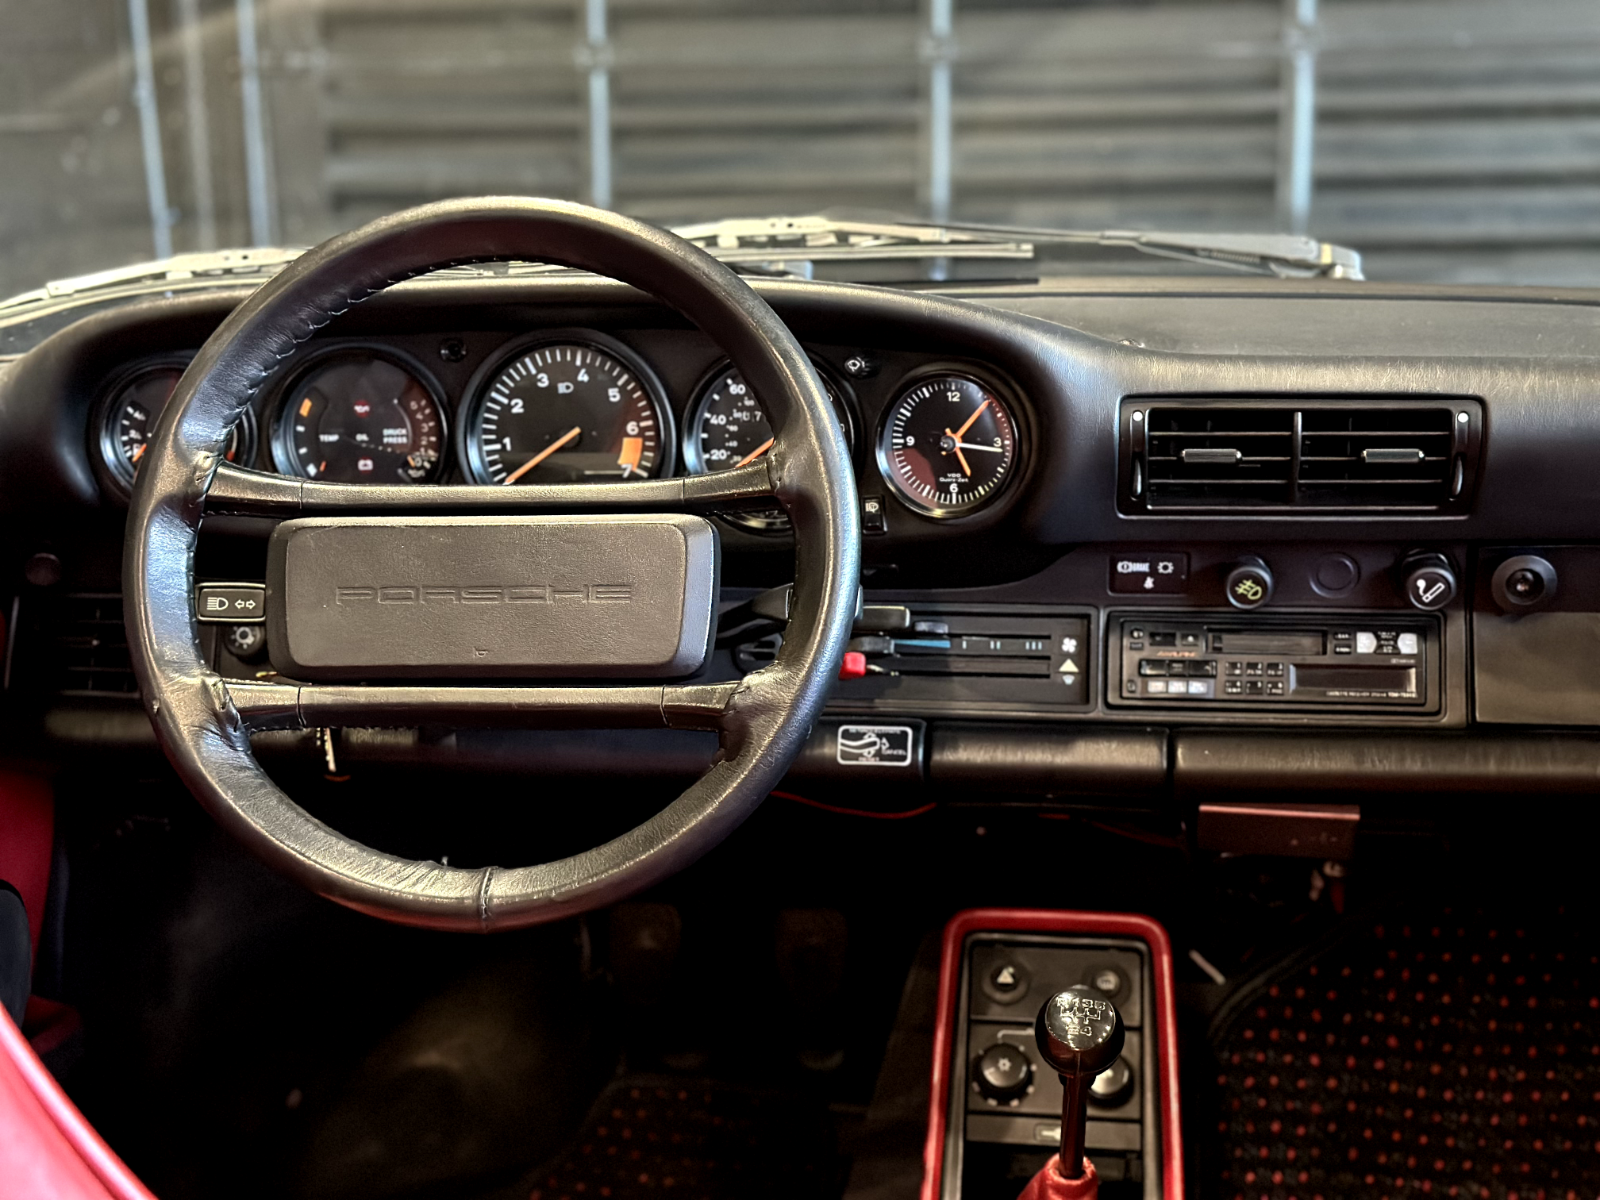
<point>89,645</point>
<point>1325,455</point>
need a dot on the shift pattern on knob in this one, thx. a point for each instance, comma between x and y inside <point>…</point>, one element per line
<point>1079,1031</point>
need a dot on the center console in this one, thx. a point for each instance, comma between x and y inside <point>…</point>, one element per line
<point>996,1114</point>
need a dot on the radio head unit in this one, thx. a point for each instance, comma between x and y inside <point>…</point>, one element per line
<point>1188,659</point>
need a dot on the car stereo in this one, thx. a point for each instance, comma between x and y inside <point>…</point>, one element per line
<point>1191,660</point>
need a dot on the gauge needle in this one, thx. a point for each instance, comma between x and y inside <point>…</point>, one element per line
<point>755,454</point>
<point>956,439</point>
<point>138,451</point>
<point>544,454</point>
<point>976,413</point>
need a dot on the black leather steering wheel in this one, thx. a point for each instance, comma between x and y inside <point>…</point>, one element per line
<point>203,721</point>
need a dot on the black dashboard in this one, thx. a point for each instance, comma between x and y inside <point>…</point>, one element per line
<point>1123,540</point>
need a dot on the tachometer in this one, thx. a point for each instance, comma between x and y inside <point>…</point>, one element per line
<point>948,445</point>
<point>358,416</point>
<point>130,414</point>
<point>568,411</point>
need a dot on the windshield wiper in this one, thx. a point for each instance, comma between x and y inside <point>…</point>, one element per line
<point>182,270</point>
<point>793,243</point>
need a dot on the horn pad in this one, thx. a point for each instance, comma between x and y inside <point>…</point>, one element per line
<point>607,596</point>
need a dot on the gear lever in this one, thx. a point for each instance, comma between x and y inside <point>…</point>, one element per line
<point>1080,1034</point>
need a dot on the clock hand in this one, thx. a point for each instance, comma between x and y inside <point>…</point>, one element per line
<point>960,457</point>
<point>976,413</point>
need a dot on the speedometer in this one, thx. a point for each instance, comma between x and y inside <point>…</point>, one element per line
<point>948,444</point>
<point>568,411</point>
<point>728,427</point>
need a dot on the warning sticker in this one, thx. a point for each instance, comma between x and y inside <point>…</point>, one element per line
<point>875,745</point>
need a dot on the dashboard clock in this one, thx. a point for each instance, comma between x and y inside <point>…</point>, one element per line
<point>948,444</point>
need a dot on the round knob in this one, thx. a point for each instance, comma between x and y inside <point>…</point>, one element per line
<point>1079,1031</point>
<point>1523,584</point>
<point>1429,581</point>
<point>1249,584</point>
<point>1113,1087</point>
<point>1004,1074</point>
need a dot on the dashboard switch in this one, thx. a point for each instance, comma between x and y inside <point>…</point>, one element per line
<point>853,666</point>
<point>1428,580</point>
<point>1523,584</point>
<point>1249,584</point>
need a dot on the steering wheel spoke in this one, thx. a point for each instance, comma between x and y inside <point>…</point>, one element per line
<point>265,705</point>
<point>236,491</point>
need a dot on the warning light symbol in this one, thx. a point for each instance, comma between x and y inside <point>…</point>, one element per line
<point>1248,589</point>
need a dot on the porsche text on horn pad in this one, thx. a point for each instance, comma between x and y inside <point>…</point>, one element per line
<point>492,597</point>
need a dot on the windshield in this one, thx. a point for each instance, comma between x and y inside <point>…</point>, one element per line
<point>1445,140</point>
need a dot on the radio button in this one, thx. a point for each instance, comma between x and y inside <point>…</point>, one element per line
<point>1275,668</point>
<point>1199,687</point>
<point>1156,666</point>
<point>1274,687</point>
<point>1236,668</point>
<point>1157,687</point>
<point>1253,687</point>
<point>1366,643</point>
<point>1234,687</point>
<point>1343,648</point>
<point>1407,643</point>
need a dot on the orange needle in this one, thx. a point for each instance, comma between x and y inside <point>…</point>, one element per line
<point>956,438</point>
<point>138,451</point>
<point>976,413</point>
<point>544,454</point>
<point>755,454</point>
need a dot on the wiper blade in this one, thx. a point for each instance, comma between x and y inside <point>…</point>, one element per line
<point>776,241</point>
<point>206,268</point>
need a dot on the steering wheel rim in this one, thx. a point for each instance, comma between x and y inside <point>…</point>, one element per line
<point>203,722</point>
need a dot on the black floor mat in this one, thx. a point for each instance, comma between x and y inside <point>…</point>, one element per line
<point>695,1139</point>
<point>1446,1053</point>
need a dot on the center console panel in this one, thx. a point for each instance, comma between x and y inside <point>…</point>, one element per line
<point>995,1114</point>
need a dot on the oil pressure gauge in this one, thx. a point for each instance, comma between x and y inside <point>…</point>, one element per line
<point>948,445</point>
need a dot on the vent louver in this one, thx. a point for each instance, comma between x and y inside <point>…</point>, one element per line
<point>88,646</point>
<point>1318,455</point>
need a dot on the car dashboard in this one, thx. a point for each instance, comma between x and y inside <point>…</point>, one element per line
<point>1136,544</point>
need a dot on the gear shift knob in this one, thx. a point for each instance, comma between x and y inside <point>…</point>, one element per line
<point>1080,1034</point>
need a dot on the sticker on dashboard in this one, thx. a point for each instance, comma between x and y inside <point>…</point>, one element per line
<point>875,745</point>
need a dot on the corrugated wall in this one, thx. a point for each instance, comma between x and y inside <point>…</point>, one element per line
<point>1453,138</point>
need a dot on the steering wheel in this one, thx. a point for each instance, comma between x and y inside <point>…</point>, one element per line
<point>204,721</point>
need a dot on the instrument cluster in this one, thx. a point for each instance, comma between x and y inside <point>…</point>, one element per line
<point>579,406</point>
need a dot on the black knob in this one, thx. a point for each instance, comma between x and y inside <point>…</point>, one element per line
<point>1080,1034</point>
<point>1249,583</point>
<point>1428,580</point>
<point>1523,584</point>
<point>1113,1088</point>
<point>1004,1074</point>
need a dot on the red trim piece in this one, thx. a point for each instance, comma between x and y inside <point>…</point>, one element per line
<point>27,831</point>
<point>1021,920</point>
<point>47,1150</point>
<point>855,812</point>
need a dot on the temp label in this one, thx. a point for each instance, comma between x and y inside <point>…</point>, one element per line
<point>875,745</point>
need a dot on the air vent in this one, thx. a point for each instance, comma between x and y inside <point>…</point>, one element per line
<point>1324,455</point>
<point>87,646</point>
